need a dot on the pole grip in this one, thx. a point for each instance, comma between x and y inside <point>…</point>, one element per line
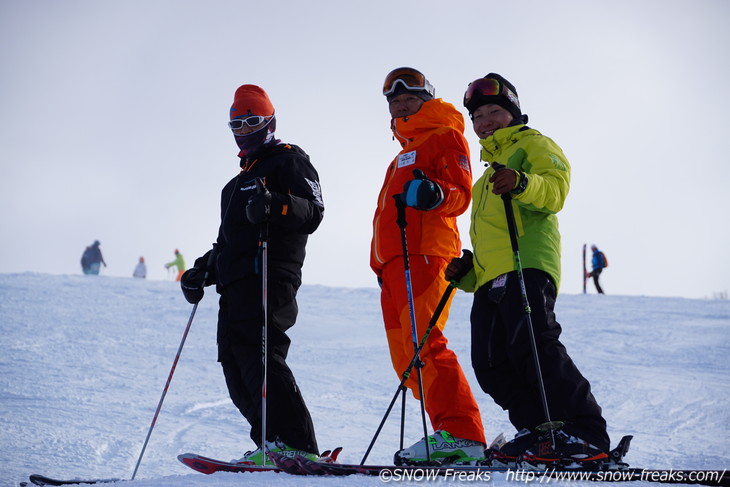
<point>508,210</point>
<point>211,260</point>
<point>264,230</point>
<point>400,207</point>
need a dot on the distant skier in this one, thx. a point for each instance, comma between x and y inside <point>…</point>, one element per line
<point>140,270</point>
<point>179,262</point>
<point>599,263</point>
<point>92,259</point>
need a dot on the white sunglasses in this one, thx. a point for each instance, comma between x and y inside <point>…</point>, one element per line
<point>252,121</point>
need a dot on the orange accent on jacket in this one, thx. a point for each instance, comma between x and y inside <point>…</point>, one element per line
<point>433,141</point>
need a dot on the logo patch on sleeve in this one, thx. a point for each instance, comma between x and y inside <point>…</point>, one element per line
<point>464,163</point>
<point>316,191</point>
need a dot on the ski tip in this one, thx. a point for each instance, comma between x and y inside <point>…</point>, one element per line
<point>329,456</point>
<point>196,462</point>
<point>188,459</point>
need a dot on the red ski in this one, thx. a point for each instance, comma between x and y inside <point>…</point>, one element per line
<point>211,465</point>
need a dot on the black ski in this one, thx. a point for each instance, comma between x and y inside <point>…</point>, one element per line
<point>42,480</point>
<point>302,466</point>
<point>615,471</point>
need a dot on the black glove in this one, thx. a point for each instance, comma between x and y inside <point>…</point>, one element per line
<point>192,282</point>
<point>422,193</point>
<point>459,266</point>
<point>258,208</point>
<point>263,204</point>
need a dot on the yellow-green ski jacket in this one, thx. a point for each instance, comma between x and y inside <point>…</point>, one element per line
<point>548,172</point>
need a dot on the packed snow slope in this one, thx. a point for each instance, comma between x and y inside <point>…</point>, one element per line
<point>84,359</point>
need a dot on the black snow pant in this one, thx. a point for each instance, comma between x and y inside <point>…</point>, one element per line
<point>596,273</point>
<point>240,327</point>
<point>502,358</point>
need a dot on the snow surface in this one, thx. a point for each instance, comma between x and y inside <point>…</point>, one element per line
<point>84,361</point>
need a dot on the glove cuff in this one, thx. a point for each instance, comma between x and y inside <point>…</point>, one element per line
<point>439,196</point>
<point>521,183</point>
<point>279,205</point>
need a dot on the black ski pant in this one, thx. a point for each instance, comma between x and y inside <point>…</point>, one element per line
<point>240,331</point>
<point>596,273</point>
<point>502,358</point>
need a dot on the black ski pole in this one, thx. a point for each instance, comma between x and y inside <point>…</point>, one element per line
<point>402,223</point>
<point>512,226</point>
<point>415,361</point>
<point>211,259</point>
<point>403,417</point>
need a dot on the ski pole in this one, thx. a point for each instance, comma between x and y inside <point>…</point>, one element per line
<point>512,226</point>
<point>402,417</point>
<point>414,363</point>
<point>211,258</point>
<point>585,271</point>
<point>402,223</point>
<point>263,242</point>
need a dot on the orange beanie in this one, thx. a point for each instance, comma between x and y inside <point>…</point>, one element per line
<point>251,100</point>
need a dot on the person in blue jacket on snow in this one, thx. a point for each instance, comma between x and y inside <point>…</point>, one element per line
<point>599,262</point>
<point>91,260</point>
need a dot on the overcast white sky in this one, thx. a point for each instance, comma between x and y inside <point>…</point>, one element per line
<point>113,123</point>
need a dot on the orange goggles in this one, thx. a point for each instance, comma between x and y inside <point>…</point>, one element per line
<point>409,78</point>
<point>489,87</point>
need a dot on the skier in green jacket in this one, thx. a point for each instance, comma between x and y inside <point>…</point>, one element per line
<point>535,172</point>
<point>179,262</point>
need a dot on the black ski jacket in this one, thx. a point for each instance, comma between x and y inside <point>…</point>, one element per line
<point>296,212</point>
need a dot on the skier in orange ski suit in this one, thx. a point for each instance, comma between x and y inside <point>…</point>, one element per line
<point>433,141</point>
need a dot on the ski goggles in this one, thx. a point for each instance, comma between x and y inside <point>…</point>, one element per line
<point>252,121</point>
<point>409,78</point>
<point>489,87</point>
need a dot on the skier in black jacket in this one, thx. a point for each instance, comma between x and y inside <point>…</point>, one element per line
<point>277,193</point>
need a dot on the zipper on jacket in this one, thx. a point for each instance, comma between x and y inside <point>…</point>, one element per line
<point>483,204</point>
<point>485,190</point>
<point>401,140</point>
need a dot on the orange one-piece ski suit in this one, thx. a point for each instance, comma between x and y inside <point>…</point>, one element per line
<point>433,141</point>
